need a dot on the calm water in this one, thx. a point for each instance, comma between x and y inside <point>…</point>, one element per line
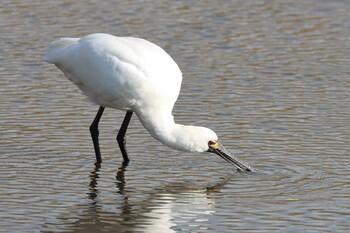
<point>271,77</point>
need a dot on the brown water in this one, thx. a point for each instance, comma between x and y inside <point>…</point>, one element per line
<point>271,77</point>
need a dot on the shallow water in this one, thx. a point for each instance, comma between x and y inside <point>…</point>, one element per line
<point>270,77</point>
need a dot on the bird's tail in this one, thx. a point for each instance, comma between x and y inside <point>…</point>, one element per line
<point>57,47</point>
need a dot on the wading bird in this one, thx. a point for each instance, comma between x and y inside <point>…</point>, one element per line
<point>133,75</point>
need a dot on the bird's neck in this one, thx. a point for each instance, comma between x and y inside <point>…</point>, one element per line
<point>161,125</point>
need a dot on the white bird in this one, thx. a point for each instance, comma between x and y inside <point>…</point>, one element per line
<point>133,75</point>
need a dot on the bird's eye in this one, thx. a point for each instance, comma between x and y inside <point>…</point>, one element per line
<point>211,142</point>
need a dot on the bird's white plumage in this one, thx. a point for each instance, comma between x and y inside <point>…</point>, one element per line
<point>118,72</point>
<point>130,74</point>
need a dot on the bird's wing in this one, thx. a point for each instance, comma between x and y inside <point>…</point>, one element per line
<point>117,71</point>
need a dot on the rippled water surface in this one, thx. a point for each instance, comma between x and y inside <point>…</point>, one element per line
<point>270,77</point>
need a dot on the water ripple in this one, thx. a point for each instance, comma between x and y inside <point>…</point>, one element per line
<point>270,77</point>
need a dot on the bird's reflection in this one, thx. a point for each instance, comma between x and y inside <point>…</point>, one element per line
<point>93,193</point>
<point>164,207</point>
<point>94,176</point>
<point>121,184</point>
<point>120,179</point>
<point>126,210</point>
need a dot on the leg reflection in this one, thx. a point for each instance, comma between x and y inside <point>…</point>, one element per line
<point>126,209</point>
<point>94,176</point>
<point>120,177</point>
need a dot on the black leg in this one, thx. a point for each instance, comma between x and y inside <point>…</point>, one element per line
<point>121,137</point>
<point>94,133</point>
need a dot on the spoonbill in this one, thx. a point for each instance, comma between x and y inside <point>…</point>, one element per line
<point>134,75</point>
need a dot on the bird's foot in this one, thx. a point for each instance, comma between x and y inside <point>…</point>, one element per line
<point>125,162</point>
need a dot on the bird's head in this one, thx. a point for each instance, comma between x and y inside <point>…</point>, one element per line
<point>201,139</point>
<point>215,147</point>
